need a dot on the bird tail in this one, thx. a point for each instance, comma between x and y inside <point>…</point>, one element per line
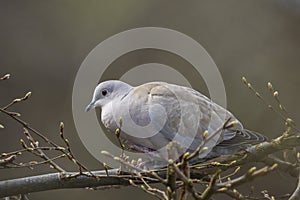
<point>242,138</point>
<point>253,137</point>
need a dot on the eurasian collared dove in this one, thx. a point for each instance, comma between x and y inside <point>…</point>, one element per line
<point>152,115</point>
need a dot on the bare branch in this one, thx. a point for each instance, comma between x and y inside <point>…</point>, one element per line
<point>58,181</point>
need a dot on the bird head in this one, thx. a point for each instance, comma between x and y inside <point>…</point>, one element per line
<point>107,91</point>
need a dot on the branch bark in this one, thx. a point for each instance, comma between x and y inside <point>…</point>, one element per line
<point>296,194</point>
<point>54,181</point>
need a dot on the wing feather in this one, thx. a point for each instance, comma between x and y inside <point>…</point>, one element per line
<point>189,114</point>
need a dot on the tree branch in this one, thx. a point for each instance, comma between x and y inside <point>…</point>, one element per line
<point>55,181</point>
<point>74,180</point>
<point>296,194</point>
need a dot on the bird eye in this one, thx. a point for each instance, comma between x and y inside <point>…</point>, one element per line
<point>104,92</point>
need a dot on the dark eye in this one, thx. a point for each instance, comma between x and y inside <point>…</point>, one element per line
<point>104,92</point>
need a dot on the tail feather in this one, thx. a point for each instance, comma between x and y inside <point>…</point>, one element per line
<point>244,137</point>
<point>242,140</point>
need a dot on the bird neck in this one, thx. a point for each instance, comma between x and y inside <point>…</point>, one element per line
<point>124,90</point>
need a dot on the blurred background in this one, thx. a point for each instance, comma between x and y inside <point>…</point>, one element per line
<point>43,43</point>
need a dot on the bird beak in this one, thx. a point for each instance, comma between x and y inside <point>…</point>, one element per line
<point>90,106</point>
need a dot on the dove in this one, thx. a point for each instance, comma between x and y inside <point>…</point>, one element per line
<point>153,115</point>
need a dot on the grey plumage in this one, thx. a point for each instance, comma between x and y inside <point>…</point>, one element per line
<point>156,113</point>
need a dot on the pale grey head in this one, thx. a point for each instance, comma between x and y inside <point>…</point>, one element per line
<point>106,91</point>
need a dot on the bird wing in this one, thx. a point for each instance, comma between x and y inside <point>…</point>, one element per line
<point>189,114</point>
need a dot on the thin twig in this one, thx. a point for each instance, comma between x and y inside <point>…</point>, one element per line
<point>5,77</point>
<point>250,175</point>
<point>148,172</point>
<point>40,153</point>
